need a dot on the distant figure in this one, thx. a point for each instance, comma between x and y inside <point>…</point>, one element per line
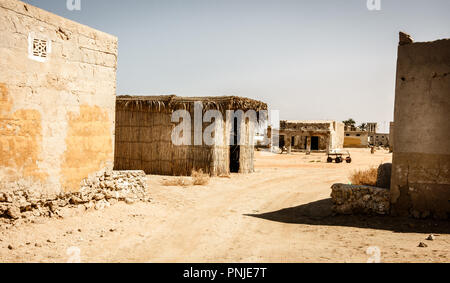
<point>372,150</point>
<point>283,149</point>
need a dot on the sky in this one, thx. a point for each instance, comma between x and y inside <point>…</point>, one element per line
<point>309,59</point>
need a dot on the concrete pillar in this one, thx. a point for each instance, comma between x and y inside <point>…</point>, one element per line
<point>308,144</point>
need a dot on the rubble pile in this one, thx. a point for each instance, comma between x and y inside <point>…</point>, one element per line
<point>97,193</point>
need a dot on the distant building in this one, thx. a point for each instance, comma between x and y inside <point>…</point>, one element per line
<point>356,138</point>
<point>311,135</point>
<point>381,139</point>
<point>372,129</point>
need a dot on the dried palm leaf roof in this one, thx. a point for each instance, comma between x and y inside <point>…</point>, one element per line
<point>173,102</point>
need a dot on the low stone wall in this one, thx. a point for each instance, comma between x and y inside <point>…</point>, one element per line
<point>22,203</point>
<point>352,199</point>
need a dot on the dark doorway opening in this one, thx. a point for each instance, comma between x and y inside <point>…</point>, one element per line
<point>282,141</point>
<point>293,141</point>
<point>235,149</point>
<point>314,143</point>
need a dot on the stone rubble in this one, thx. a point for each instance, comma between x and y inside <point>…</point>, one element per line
<point>353,199</point>
<point>99,192</point>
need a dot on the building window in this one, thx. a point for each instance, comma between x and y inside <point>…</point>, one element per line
<point>39,48</point>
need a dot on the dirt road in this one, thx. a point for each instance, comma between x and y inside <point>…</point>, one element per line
<point>281,213</point>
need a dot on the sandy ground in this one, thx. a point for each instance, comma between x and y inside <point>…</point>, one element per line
<point>281,213</point>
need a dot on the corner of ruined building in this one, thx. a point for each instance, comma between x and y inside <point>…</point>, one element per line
<point>405,39</point>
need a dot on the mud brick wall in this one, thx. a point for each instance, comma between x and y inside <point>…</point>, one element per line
<point>421,161</point>
<point>56,115</point>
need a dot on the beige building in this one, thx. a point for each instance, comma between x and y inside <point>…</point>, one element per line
<point>356,138</point>
<point>145,141</point>
<point>57,99</point>
<point>421,160</point>
<point>311,135</point>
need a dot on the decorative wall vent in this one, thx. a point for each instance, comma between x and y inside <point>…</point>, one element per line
<point>39,47</point>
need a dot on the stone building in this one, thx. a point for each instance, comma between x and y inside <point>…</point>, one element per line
<point>381,139</point>
<point>311,135</point>
<point>145,141</point>
<point>372,129</point>
<point>421,161</point>
<point>57,99</point>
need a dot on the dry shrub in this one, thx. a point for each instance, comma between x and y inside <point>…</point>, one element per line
<point>176,182</point>
<point>199,178</point>
<point>366,177</point>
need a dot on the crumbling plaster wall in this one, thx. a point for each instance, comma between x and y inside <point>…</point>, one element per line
<point>421,159</point>
<point>56,117</point>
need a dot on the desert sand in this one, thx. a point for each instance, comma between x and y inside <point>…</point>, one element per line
<point>281,213</point>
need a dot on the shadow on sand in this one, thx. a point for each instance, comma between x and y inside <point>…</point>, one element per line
<point>319,213</point>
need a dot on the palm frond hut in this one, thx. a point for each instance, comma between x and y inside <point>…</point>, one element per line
<point>144,136</point>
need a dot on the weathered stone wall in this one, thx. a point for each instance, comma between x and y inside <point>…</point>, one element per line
<point>352,199</point>
<point>421,160</point>
<point>56,114</point>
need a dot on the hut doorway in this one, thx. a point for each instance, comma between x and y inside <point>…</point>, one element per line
<point>234,158</point>
<point>282,141</point>
<point>314,143</point>
<point>235,150</point>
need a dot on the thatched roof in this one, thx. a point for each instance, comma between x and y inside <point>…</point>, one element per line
<point>173,102</point>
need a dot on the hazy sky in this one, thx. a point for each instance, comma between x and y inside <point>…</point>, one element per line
<point>316,59</point>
